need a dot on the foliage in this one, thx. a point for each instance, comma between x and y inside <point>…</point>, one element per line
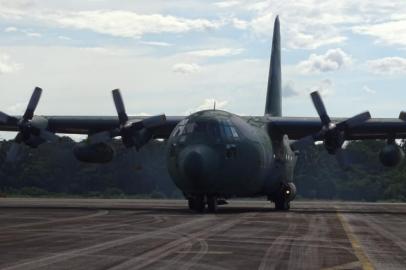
<point>52,170</point>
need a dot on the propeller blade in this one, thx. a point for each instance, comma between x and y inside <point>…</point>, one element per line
<point>48,136</point>
<point>32,105</point>
<point>12,153</point>
<point>118,102</point>
<point>100,137</point>
<point>154,121</point>
<point>356,120</point>
<point>303,143</point>
<point>320,108</point>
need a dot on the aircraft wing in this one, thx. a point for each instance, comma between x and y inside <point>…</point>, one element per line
<point>299,127</point>
<point>92,124</point>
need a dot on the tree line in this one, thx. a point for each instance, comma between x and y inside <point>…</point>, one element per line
<point>52,170</point>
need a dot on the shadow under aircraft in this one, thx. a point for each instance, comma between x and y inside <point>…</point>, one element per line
<point>213,155</point>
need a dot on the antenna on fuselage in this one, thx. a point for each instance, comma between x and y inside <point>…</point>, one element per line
<point>214,105</point>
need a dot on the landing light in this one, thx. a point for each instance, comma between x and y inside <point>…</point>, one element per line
<point>287,192</point>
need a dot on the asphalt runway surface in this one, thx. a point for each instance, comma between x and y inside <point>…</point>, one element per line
<point>164,234</point>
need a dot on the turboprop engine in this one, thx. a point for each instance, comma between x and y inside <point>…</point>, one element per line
<point>93,153</point>
<point>391,155</point>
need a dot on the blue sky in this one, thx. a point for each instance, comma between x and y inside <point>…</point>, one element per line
<point>178,56</point>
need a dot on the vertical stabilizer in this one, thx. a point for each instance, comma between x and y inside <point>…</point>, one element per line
<point>274,93</point>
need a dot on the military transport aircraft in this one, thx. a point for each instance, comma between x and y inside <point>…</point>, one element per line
<point>213,155</point>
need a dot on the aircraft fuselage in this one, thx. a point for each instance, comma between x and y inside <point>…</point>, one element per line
<point>216,153</point>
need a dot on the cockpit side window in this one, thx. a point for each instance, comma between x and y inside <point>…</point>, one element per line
<point>180,128</point>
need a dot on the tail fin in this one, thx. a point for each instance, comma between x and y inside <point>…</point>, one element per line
<point>274,92</point>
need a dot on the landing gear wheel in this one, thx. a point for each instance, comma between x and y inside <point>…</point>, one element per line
<point>212,204</point>
<point>282,205</point>
<point>191,204</point>
<point>199,204</point>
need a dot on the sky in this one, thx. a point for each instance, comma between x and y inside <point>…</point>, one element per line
<point>178,56</point>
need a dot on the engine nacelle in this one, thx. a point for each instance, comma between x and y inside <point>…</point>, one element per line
<point>391,155</point>
<point>94,153</point>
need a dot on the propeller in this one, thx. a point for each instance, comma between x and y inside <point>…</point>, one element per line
<point>31,129</point>
<point>132,133</point>
<point>331,133</point>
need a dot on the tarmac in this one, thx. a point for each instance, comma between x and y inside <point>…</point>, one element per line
<point>164,234</point>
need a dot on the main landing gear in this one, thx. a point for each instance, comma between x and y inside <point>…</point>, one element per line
<point>282,205</point>
<point>198,203</point>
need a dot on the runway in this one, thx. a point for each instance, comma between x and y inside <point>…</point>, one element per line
<point>164,234</point>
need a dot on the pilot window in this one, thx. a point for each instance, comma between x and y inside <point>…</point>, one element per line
<point>228,131</point>
<point>179,130</point>
<point>222,129</point>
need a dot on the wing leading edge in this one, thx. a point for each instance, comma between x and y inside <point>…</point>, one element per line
<point>299,127</point>
<point>93,124</point>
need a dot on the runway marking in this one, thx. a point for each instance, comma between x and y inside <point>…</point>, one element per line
<point>359,252</point>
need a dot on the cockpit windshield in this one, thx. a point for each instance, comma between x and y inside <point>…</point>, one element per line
<point>218,129</point>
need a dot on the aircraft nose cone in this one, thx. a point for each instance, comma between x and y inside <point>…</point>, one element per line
<point>193,166</point>
<point>198,163</point>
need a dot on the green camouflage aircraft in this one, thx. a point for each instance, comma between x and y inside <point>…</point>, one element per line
<point>213,155</point>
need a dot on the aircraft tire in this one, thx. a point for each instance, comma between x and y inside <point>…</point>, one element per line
<point>191,204</point>
<point>212,204</point>
<point>282,205</point>
<point>199,204</point>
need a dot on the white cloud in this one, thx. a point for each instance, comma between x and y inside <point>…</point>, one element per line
<point>392,32</point>
<point>28,33</point>
<point>105,51</point>
<point>157,43</point>
<point>368,90</point>
<point>289,90</point>
<point>388,65</point>
<point>127,23</point>
<point>140,114</point>
<point>333,59</point>
<point>185,68</point>
<point>303,26</point>
<point>226,4</point>
<point>239,24</point>
<point>64,38</point>
<point>208,104</point>
<point>6,66</point>
<point>324,87</point>
<point>17,108</point>
<point>10,29</point>
<point>217,52</point>
<point>33,34</point>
